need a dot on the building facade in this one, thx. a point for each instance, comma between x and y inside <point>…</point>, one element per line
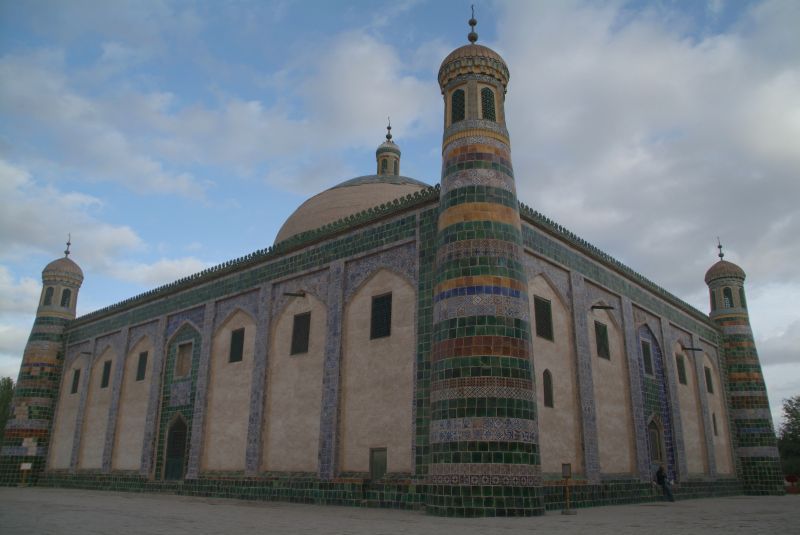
<point>402,345</point>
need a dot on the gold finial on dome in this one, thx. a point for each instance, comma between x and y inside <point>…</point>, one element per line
<point>389,130</point>
<point>69,242</point>
<point>472,36</point>
<point>719,246</point>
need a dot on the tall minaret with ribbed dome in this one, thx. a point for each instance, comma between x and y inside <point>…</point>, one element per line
<point>484,432</point>
<point>755,447</point>
<point>27,433</point>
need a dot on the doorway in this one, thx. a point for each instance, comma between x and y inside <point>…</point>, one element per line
<point>176,450</point>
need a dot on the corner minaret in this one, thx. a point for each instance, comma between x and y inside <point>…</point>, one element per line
<point>27,434</point>
<point>484,433</point>
<point>388,155</point>
<point>755,447</point>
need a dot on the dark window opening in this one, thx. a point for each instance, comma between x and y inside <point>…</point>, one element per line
<point>709,383</point>
<point>381,324</point>
<point>237,346</point>
<point>106,374</point>
<point>76,379</point>
<point>543,312</point>
<point>396,167</point>
<point>681,369</point>
<point>48,296</point>
<point>66,297</point>
<point>656,444</point>
<point>457,107</point>
<point>547,388</point>
<point>487,103</point>
<point>183,360</point>
<point>601,338</point>
<point>141,366</point>
<point>176,450</point>
<point>742,301</point>
<point>647,357</point>
<point>714,423</point>
<point>300,333</point>
<point>727,297</point>
<point>384,166</point>
<point>713,300</point>
<point>377,463</point>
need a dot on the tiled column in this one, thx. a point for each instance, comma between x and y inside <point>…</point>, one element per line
<point>670,375</point>
<point>583,354</point>
<point>329,418</point>
<point>255,424</point>
<point>201,393</point>
<point>637,402</point>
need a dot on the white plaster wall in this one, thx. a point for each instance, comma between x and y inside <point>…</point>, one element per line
<point>132,410</point>
<point>294,391</point>
<point>559,433</point>
<point>228,403</point>
<point>612,396</point>
<point>722,442</point>
<point>95,416</point>
<point>694,441</point>
<point>66,414</point>
<point>378,378</point>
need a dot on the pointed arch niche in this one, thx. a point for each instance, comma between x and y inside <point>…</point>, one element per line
<point>95,419</point>
<point>67,409</point>
<point>294,390</point>
<point>716,406</point>
<point>612,394</point>
<point>132,412</point>
<point>694,441</point>
<point>378,377</point>
<point>559,426</point>
<point>228,403</point>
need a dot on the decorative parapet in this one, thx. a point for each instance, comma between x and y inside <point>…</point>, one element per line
<point>532,216</point>
<point>260,256</point>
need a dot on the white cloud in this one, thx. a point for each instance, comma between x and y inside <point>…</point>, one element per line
<point>160,272</point>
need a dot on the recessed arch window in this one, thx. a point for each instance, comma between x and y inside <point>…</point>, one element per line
<point>457,106</point>
<point>384,166</point>
<point>656,443</point>
<point>396,167</point>
<point>66,297</point>
<point>727,297</point>
<point>48,296</point>
<point>487,104</point>
<point>714,423</point>
<point>681,365</point>
<point>713,300</point>
<point>547,388</point>
<point>742,301</point>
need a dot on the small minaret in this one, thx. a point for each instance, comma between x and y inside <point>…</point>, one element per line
<point>27,434</point>
<point>388,155</point>
<point>755,447</point>
<point>484,429</point>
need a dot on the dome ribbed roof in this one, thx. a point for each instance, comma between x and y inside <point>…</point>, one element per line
<point>63,266</point>
<point>723,269</point>
<point>347,198</point>
<point>477,59</point>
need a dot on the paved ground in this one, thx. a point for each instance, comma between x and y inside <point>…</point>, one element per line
<point>71,512</point>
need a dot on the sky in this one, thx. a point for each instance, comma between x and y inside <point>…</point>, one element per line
<point>168,137</point>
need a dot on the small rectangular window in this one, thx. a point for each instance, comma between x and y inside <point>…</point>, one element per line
<point>681,369</point>
<point>381,324</point>
<point>183,360</point>
<point>106,374</point>
<point>141,367</point>
<point>709,383</point>
<point>237,346</point>
<point>300,333</point>
<point>601,337</point>
<point>647,357</point>
<point>714,423</point>
<point>543,313</point>
<point>76,379</point>
<point>377,463</point>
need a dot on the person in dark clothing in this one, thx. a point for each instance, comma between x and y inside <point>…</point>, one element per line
<point>661,479</point>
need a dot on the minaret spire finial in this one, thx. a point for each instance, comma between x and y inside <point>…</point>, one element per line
<point>472,36</point>
<point>389,129</point>
<point>719,246</point>
<point>69,242</point>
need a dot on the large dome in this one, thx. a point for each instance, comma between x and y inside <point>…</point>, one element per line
<point>348,198</point>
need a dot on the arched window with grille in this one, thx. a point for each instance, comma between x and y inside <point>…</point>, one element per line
<point>727,297</point>
<point>487,104</point>
<point>48,296</point>
<point>384,166</point>
<point>457,106</point>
